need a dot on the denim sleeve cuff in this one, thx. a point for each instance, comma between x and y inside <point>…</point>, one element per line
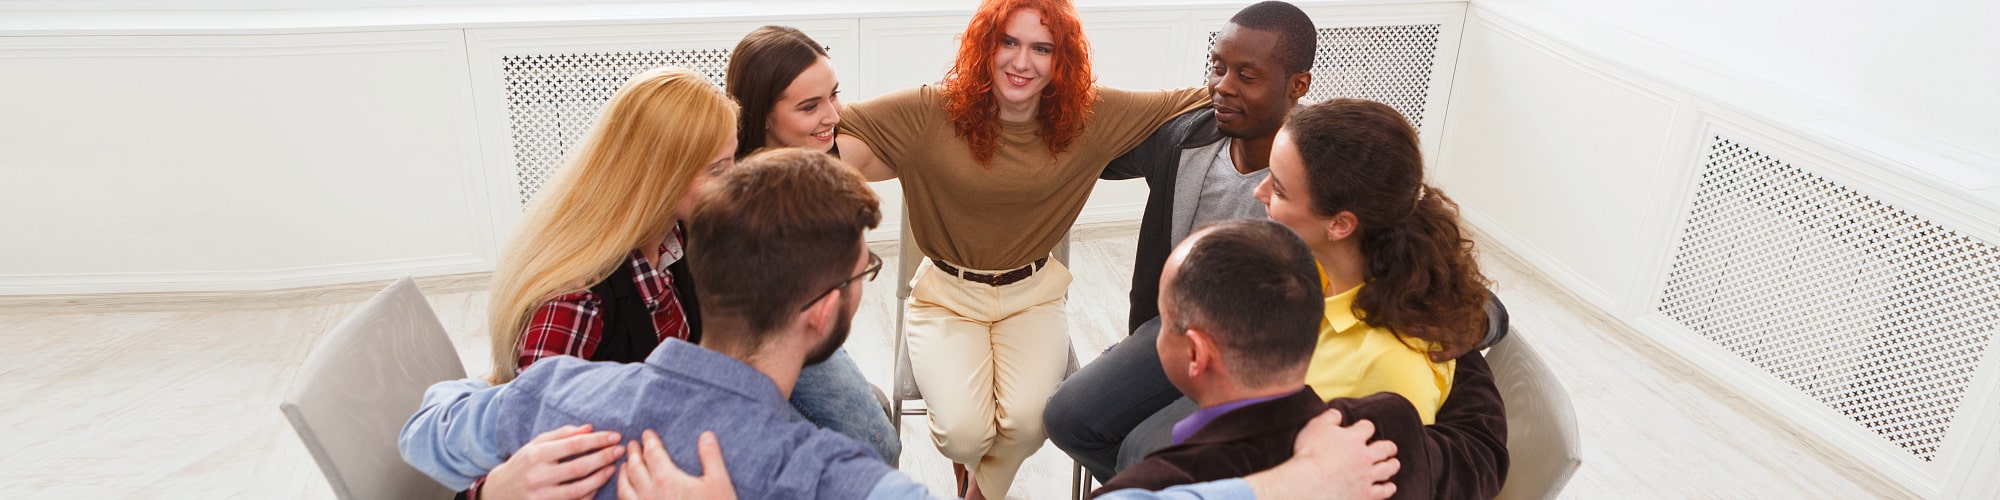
<point>453,436</point>
<point>898,486</point>
<point>1227,489</point>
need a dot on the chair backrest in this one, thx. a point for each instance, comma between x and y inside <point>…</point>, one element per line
<point>1542,446</point>
<point>361,382</point>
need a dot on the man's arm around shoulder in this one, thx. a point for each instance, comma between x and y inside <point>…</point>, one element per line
<point>454,437</point>
<point>1159,150</point>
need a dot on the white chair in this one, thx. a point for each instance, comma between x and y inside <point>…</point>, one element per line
<point>360,383</point>
<point>908,256</point>
<point>1542,447</point>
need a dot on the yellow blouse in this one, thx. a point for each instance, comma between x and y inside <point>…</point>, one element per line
<point>1355,359</point>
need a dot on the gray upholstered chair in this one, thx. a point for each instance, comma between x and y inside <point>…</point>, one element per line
<point>360,383</point>
<point>1542,446</point>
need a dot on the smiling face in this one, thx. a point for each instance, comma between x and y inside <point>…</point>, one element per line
<point>1285,194</point>
<point>1252,92</point>
<point>1021,64</point>
<point>804,115</point>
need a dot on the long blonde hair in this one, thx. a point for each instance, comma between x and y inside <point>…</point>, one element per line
<point>615,192</point>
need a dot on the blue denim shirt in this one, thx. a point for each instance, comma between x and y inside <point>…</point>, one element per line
<point>465,429</point>
<point>900,487</point>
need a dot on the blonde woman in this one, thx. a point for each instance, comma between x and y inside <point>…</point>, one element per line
<point>594,269</point>
<point>595,272</point>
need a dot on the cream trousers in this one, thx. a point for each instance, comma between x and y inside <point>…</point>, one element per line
<point>987,358</point>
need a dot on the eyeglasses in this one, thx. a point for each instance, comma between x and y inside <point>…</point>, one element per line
<point>874,268</point>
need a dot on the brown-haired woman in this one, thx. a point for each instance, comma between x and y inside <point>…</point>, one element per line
<point>996,162</point>
<point>1401,280</point>
<point>786,87</point>
<point>791,99</point>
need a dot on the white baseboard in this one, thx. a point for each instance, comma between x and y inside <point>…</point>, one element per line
<point>230,281</point>
<point>1497,232</point>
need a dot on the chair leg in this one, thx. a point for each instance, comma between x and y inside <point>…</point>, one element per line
<point>1080,481</point>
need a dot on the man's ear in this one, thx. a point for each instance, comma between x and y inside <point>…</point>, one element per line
<point>1341,226</point>
<point>1300,83</point>
<point>822,315</point>
<point>1202,356</point>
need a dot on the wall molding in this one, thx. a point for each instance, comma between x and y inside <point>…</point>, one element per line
<point>230,281</point>
<point>1709,102</point>
<point>1522,249</point>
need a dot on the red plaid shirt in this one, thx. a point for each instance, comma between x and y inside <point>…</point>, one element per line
<point>571,324</point>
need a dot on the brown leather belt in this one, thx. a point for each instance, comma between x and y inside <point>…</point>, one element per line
<point>1002,279</point>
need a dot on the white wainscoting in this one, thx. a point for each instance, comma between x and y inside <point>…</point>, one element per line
<point>267,149</point>
<point>176,163</point>
<point>1581,149</point>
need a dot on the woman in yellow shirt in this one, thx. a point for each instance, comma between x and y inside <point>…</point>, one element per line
<point>1401,281</point>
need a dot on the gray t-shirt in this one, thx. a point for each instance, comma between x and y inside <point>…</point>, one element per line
<point>1225,193</point>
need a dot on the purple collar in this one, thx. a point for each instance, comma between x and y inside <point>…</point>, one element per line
<point>1193,423</point>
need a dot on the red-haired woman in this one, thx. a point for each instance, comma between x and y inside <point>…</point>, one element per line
<point>996,162</point>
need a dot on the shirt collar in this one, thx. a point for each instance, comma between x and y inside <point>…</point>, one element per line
<point>1340,306</point>
<point>654,282</point>
<point>698,363</point>
<point>1201,418</point>
<point>1340,310</point>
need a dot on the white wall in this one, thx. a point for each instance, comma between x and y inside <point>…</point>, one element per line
<point>1577,132</point>
<point>1924,67</point>
<point>212,145</point>
<point>215,162</point>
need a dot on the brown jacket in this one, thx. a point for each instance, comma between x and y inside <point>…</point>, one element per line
<point>1463,455</point>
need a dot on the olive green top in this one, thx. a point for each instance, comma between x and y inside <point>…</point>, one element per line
<point>1008,213</point>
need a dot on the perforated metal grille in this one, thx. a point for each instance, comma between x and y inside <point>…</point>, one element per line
<point>552,99</point>
<point>1874,311</point>
<point>1387,64</point>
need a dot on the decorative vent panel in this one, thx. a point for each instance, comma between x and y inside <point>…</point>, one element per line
<point>552,99</point>
<point>1876,312</point>
<point>1387,64</point>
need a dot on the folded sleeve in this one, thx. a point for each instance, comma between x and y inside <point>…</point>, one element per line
<point>892,124</point>
<point>453,438</point>
<point>1124,118</point>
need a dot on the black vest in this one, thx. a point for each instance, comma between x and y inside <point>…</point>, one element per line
<point>628,335</point>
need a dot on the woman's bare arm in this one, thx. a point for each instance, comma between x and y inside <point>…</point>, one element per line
<point>857,153</point>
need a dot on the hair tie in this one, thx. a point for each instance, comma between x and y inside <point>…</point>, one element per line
<point>1421,192</point>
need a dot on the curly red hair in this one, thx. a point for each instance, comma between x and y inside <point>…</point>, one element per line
<point>1066,102</point>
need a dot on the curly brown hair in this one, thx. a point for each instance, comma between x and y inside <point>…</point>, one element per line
<point>1066,102</point>
<point>1423,280</point>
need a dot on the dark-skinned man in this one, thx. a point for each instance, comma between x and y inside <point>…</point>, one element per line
<point>1202,167</point>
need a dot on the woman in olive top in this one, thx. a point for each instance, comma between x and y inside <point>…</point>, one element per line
<point>995,163</point>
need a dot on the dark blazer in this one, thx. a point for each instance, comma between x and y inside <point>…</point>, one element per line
<point>1158,159</point>
<point>1464,455</point>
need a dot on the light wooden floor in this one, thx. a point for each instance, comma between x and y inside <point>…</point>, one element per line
<point>175,396</point>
